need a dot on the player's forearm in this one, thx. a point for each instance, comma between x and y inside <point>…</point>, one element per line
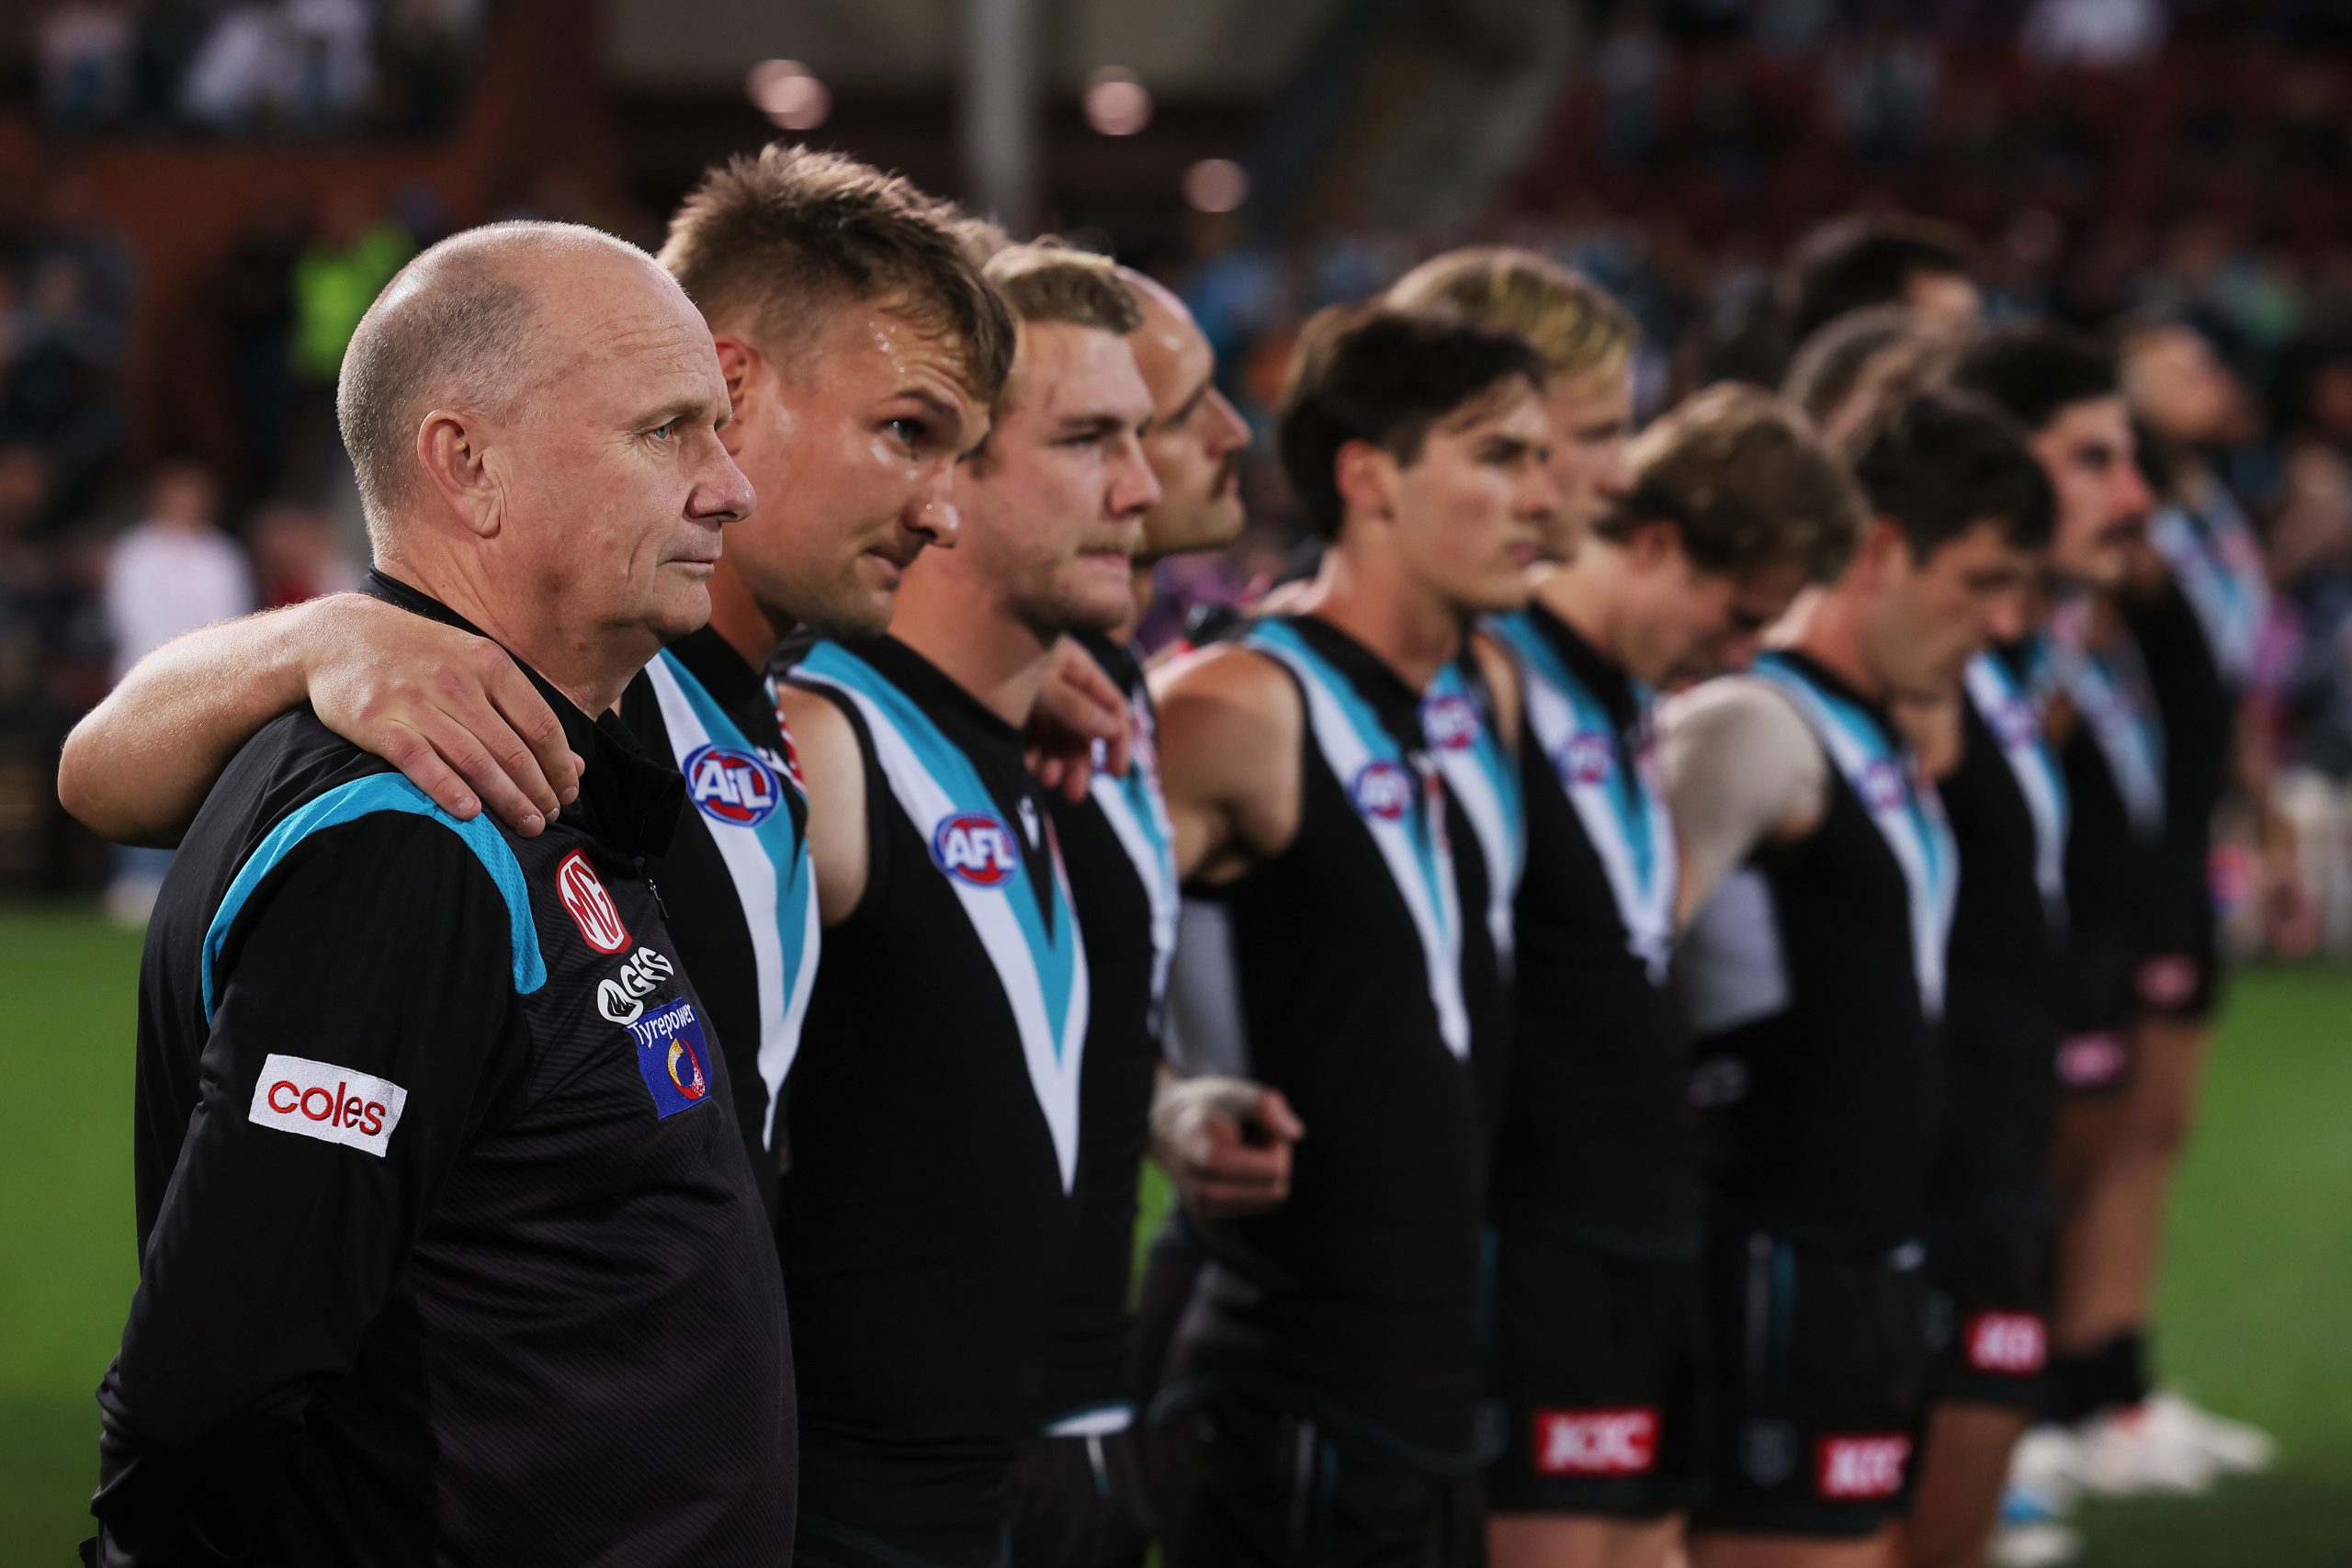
<point>136,769</point>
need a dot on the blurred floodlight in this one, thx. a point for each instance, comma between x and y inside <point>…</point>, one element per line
<point>1216,184</point>
<point>1116,104</point>
<point>789,94</point>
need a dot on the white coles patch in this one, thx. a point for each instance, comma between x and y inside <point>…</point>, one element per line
<point>334,1105</point>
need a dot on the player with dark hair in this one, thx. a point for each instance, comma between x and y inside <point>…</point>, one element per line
<point>1849,263</point>
<point>1324,1392</point>
<point>1732,507</point>
<point>1823,876</point>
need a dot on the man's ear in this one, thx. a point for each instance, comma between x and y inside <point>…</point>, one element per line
<point>454,451</point>
<point>742,365</point>
<point>1366,477</point>
<point>1653,544</point>
<point>1883,553</point>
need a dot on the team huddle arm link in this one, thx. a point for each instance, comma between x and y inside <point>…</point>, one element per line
<point>1230,732</point>
<point>1078,707</point>
<point>1741,768</point>
<point>364,1015</point>
<point>448,709</point>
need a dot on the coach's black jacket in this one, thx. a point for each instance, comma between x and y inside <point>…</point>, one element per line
<point>449,1250</point>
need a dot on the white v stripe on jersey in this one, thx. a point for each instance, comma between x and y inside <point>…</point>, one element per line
<point>1137,813</point>
<point>774,898</point>
<point>1904,807</point>
<point>1422,871</point>
<point>1055,1062</point>
<point>2011,715</point>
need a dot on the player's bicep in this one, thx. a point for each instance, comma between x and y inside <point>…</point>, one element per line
<point>1229,735</point>
<point>1740,768</point>
<point>833,765</point>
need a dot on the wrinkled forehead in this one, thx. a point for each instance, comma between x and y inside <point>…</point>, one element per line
<point>622,356</point>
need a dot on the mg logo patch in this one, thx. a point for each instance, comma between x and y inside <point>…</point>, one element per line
<point>590,905</point>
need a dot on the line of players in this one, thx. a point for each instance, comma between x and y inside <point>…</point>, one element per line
<point>1432,901</point>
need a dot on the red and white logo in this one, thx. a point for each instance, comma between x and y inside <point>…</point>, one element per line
<point>2092,1061</point>
<point>1595,1442</point>
<point>2013,1344</point>
<point>591,907</point>
<point>1451,721</point>
<point>334,1105</point>
<point>975,848</point>
<point>1859,1469</point>
<point>2168,981</point>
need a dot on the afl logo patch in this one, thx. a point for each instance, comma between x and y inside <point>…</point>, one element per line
<point>1882,785</point>
<point>975,848</point>
<point>1450,721</point>
<point>1384,790</point>
<point>731,786</point>
<point>1588,757</point>
<point>2018,725</point>
<point>589,905</point>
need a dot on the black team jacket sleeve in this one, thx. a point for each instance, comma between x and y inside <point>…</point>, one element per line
<point>380,946</point>
<point>449,1249</point>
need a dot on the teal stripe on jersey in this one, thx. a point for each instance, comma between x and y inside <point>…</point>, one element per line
<point>364,797</point>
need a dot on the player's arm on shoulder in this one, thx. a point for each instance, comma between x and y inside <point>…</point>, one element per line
<point>1742,769</point>
<point>335,1097</point>
<point>448,709</point>
<point>1501,674</point>
<point>832,764</point>
<point>1230,726</point>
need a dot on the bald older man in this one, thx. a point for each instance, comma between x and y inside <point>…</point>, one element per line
<point>439,1263</point>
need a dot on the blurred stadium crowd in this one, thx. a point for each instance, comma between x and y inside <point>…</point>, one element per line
<point>2092,160</point>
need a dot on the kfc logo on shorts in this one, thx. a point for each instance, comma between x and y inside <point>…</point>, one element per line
<point>2092,1061</point>
<point>1882,785</point>
<point>2168,981</point>
<point>621,997</point>
<point>1595,1442</point>
<point>975,848</point>
<point>1450,721</point>
<point>334,1105</point>
<point>590,907</point>
<point>1383,790</point>
<point>2009,1344</point>
<point>1862,1469</point>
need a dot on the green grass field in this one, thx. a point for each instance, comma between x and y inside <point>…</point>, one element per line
<point>2255,1318</point>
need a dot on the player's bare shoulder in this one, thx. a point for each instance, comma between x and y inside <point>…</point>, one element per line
<point>833,767</point>
<point>1231,724</point>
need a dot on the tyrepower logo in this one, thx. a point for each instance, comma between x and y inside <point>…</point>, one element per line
<point>334,1105</point>
<point>673,1056</point>
<point>1595,1442</point>
<point>590,907</point>
<point>621,997</point>
<point>2013,1344</point>
<point>1860,1469</point>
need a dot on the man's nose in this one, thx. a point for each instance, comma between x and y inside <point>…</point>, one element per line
<point>1134,489</point>
<point>721,493</point>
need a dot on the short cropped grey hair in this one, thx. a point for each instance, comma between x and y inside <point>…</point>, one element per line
<point>455,329</point>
